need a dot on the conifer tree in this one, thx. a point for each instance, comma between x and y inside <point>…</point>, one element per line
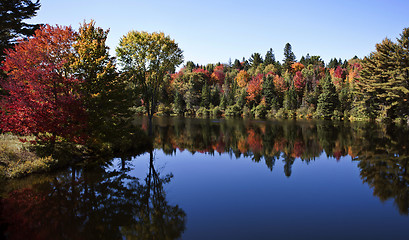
<point>328,100</point>
<point>290,99</point>
<point>205,97</point>
<point>269,58</point>
<point>255,60</point>
<point>379,86</point>
<point>12,14</point>
<point>289,57</point>
<point>268,90</point>
<point>179,104</point>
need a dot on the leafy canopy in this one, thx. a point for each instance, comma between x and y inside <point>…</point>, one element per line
<point>147,58</point>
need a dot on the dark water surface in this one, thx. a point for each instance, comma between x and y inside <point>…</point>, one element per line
<point>228,179</point>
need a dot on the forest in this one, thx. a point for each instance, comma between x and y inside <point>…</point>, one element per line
<point>375,87</point>
<point>59,85</point>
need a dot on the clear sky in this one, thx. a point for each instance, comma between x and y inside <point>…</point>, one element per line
<point>214,31</point>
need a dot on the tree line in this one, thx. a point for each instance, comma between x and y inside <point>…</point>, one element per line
<point>375,87</point>
<point>62,85</point>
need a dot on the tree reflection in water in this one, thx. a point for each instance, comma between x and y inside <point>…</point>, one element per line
<point>382,152</point>
<point>93,204</point>
<point>99,203</point>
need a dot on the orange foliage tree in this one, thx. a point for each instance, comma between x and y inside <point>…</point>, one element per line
<point>297,67</point>
<point>242,78</point>
<point>254,88</point>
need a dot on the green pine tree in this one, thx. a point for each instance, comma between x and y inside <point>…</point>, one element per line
<point>328,100</point>
<point>205,96</point>
<point>289,57</point>
<point>269,58</point>
<point>269,92</point>
<point>290,99</point>
<point>178,104</point>
<point>12,14</point>
<point>383,86</point>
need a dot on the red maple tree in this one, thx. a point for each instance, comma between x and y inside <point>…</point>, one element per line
<point>299,81</point>
<point>218,75</point>
<point>42,98</point>
<point>254,88</point>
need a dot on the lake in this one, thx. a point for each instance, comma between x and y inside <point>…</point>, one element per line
<point>227,179</point>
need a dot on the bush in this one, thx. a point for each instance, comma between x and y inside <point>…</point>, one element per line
<point>305,112</point>
<point>271,113</point>
<point>233,111</point>
<point>139,110</point>
<point>164,110</point>
<point>190,113</point>
<point>281,113</point>
<point>337,115</point>
<point>216,111</point>
<point>202,112</point>
<point>246,112</point>
<point>291,114</point>
<point>260,111</point>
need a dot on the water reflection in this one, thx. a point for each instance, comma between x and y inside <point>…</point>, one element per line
<point>93,204</point>
<point>382,152</point>
<point>109,202</point>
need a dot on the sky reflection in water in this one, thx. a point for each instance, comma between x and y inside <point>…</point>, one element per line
<point>235,179</point>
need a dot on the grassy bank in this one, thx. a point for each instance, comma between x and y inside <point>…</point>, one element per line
<point>18,159</point>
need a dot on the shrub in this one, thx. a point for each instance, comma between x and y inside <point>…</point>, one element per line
<point>139,110</point>
<point>281,113</point>
<point>216,111</point>
<point>233,111</point>
<point>260,111</point>
<point>305,112</point>
<point>337,115</point>
<point>202,112</point>
<point>164,110</point>
<point>246,112</point>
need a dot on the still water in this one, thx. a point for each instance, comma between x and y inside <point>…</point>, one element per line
<point>228,179</point>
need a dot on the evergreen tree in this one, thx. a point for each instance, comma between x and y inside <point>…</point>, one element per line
<point>402,88</point>
<point>290,99</point>
<point>237,64</point>
<point>278,66</point>
<point>215,95</point>
<point>12,14</point>
<point>345,98</point>
<point>179,104</point>
<point>255,60</point>
<point>223,102</point>
<point>289,57</point>
<point>334,63</point>
<point>379,82</point>
<point>190,66</point>
<point>328,99</point>
<point>205,96</point>
<point>268,90</point>
<point>245,65</point>
<point>269,58</point>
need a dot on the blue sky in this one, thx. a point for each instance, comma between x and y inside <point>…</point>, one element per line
<point>214,31</point>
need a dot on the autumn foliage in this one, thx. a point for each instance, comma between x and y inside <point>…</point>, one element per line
<point>254,88</point>
<point>242,78</point>
<point>296,67</point>
<point>42,95</point>
<point>299,81</point>
<point>218,75</point>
